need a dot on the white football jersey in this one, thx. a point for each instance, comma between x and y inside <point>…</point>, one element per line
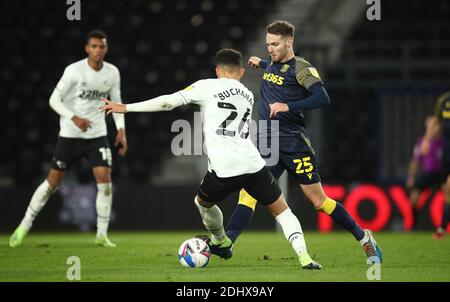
<point>226,107</point>
<point>81,88</point>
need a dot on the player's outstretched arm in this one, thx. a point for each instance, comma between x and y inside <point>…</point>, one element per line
<point>111,107</point>
<point>161,103</point>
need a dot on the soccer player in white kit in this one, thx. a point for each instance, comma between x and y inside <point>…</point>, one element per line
<point>233,160</point>
<point>83,133</point>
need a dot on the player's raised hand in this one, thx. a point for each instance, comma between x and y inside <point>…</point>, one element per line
<point>111,107</point>
<point>277,107</point>
<point>81,123</point>
<point>121,141</point>
<point>254,62</point>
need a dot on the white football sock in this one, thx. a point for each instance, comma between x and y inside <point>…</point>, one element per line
<point>292,230</point>
<point>213,221</point>
<point>38,201</point>
<point>103,204</point>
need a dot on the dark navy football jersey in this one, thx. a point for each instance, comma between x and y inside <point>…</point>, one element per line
<point>286,82</point>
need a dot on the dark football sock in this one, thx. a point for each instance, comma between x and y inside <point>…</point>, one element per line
<point>241,217</point>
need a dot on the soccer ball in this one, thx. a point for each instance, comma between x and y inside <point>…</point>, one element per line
<point>194,252</point>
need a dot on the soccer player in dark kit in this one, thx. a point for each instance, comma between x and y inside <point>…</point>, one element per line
<point>290,84</point>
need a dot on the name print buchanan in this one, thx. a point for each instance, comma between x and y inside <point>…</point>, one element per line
<point>235,91</point>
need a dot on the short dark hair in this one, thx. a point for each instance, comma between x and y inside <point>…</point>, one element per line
<point>229,57</point>
<point>281,28</point>
<point>96,34</point>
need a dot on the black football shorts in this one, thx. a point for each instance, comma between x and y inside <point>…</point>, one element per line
<point>260,185</point>
<point>69,150</point>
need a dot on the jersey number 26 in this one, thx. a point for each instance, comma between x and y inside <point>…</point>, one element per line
<point>224,126</point>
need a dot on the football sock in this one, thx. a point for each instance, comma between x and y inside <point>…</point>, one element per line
<point>241,216</point>
<point>213,221</point>
<point>292,230</point>
<point>445,216</point>
<point>103,205</point>
<point>38,201</point>
<point>340,215</point>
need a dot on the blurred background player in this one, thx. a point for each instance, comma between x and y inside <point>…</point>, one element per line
<point>233,160</point>
<point>289,85</point>
<point>83,133</point>
<point>441,120</point>
<point>425,169</point>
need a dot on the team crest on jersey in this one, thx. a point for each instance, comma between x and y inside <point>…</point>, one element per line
<point>61,164</point>
<point>284,68</point>
<point>314,72</point>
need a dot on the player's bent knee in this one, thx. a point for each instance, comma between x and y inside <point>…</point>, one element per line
<point>53,185</point>
<point>49,188</point>
<point>202,203</point>
<point>54,178</point>
<point>277,207</point>
<point>102,174</point>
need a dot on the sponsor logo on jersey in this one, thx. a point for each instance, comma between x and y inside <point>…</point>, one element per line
<point>92,94</point>
<point>270,77</point>
<point>61,164</point>
<point>284,68</point>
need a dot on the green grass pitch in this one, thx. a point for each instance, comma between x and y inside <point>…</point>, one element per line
<point>258,256</point>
